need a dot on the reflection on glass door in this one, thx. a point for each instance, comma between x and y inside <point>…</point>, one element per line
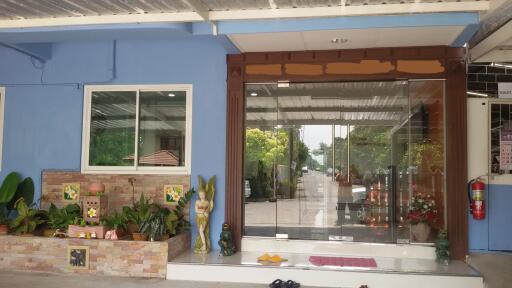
<point>344,161</point>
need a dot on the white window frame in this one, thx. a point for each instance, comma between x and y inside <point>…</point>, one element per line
<point>2,105</point>
<point>135,169</point>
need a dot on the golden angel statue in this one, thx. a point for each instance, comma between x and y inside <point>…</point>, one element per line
<point>203,207</point>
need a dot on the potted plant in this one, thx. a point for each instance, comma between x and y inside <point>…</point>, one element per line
<point>136,215</point>
<point>116,223</point>
<point>11,191</point>
<point>154,225</point>
<point>28,219</point>
<point>60,219</point>
<point>4,223</point>
<point>422,211</point>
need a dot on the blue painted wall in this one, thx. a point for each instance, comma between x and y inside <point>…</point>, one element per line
<point>494,233</point>
<point>43,122</point>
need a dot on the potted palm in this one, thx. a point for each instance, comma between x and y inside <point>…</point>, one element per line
<point>421,215</point>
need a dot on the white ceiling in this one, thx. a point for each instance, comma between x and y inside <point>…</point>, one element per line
<point>357,38</point>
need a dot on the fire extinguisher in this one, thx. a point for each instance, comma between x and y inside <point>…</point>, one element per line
<point>476,192</point>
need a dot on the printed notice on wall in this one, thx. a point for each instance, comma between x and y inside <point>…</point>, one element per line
<point>505,90</point>
<point>506,149</point>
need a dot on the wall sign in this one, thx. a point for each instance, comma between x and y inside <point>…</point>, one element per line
<point>505,90</point>
<point>506,149</point>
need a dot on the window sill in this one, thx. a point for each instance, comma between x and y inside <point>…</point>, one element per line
<point>137,172</point>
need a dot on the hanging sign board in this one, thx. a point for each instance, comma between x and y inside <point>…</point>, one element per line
<point>505,90</point>
<point>506,149</point>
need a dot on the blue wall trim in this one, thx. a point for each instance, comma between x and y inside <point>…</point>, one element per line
<point>353,22</point>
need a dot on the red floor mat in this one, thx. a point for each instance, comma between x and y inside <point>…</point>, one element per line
<point>343,261</point>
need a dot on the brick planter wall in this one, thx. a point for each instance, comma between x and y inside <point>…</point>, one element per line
<point>114,258</point>
<point>117,187</point>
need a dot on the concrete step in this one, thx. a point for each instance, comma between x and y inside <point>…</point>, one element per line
<point>390,272</point>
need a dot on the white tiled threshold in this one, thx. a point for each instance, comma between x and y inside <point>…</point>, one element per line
<point>390,272</point>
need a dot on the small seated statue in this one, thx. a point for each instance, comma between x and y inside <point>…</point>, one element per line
<point>442,248</point>
<point>227,247</point>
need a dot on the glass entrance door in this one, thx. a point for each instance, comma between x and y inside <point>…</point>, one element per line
<point>343,160</point>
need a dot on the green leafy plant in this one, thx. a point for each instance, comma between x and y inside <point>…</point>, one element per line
<point>115,221</point>
<point>61,218</point>
<point>155,224</point>
<point>12,190</point>
<point>137,213</point>
<point>181,224</point>
<point>28,219</point>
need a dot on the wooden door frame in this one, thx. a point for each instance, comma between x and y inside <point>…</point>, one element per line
<point>375,64</point>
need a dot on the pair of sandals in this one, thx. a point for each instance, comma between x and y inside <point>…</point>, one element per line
<point>278,283</point>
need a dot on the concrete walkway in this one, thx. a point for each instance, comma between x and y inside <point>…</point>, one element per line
<point>496,268</point>
<point>43,280</point>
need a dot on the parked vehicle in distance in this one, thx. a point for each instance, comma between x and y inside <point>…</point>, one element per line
<point>247,192</point>
<point>305,169</point>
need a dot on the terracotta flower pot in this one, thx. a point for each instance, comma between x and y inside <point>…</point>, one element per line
<point>4,229</point>
<point>139,236</point>
<point>49,232</point>
<point>132,228</point>
<point>96,187</point>
<point>420,231</point>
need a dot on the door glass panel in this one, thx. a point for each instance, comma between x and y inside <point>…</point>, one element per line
<point>261,149</point>
<point>343,161</point>
<point>375,117</point>
<point>306,113</point>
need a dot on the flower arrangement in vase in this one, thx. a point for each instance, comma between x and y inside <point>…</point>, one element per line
<point>422,212</point>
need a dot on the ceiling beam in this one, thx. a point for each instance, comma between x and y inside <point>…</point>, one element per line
<point>202,14</point>
<point>102,20</point>
<point>198,7</point>
<point>378,9</point>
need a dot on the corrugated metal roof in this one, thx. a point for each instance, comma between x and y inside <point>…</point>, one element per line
<point>31,9</point>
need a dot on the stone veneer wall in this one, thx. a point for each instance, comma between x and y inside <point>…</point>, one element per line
<point>117,187</point>
<point>106,257</point>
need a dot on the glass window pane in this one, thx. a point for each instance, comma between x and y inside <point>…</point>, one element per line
<point>112,136</point>
<point>162,126</point>
<point>427,158</point>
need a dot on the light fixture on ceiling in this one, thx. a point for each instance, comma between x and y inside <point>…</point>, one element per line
<point>477,94</point>
<point>339,40</point>
<point>171,95</point>
<point>254,94</point>
<point>493,64</point>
